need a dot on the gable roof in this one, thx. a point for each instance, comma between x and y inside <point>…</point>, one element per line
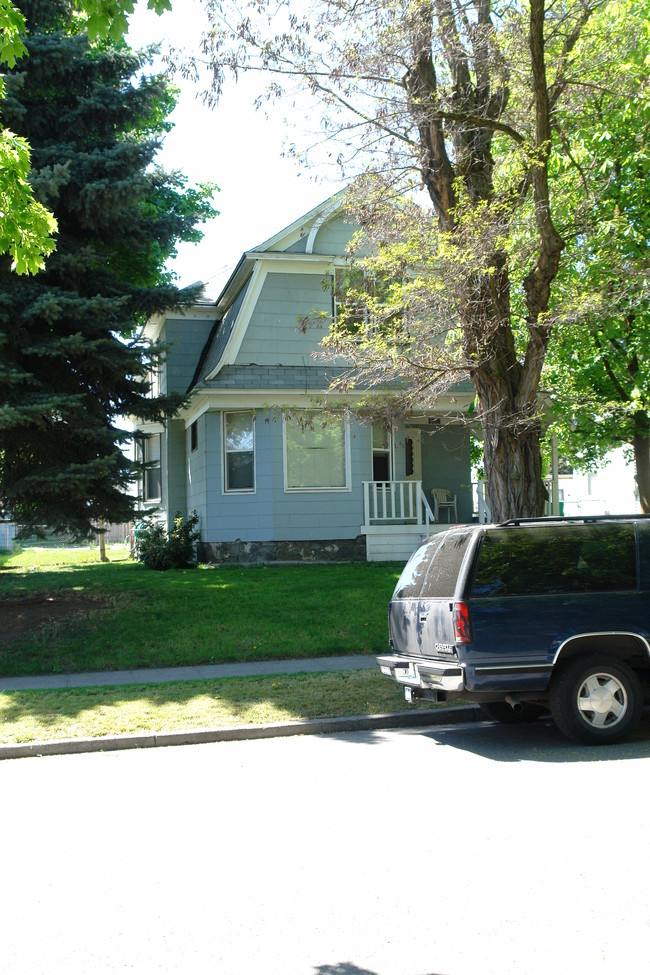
<point>246,278</point>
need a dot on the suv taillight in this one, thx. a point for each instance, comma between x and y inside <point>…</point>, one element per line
<point>462,628</point>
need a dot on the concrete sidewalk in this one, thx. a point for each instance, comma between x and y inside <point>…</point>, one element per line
<point>166,675</point>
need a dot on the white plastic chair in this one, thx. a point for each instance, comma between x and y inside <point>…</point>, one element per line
<point>443,498</point>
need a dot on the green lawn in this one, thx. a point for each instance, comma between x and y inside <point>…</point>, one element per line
<point>135,617</point>
<point>92,712</point>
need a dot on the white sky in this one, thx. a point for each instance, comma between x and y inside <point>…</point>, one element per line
<point>234,146</point>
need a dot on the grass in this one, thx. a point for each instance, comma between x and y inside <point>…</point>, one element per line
<point>135,617</point>
<point>93,712</point>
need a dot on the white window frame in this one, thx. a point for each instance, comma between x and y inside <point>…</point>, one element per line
<point>317,490</point>
<point>146,466</point>
<point>224,454</point>
<point>391,452</point>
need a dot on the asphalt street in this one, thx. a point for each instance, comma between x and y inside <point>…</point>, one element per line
<point>448,850</point>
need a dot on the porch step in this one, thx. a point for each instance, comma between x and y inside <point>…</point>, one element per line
<point>395,543</point>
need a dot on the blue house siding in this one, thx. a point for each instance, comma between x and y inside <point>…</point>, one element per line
<point>333,237</point>
<point>271,512</point>
<point>273,335</point>
<point>175,475</point>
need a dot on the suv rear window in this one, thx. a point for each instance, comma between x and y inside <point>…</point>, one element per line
<point>433,568</point>
<point>440,581</point>
<point>411,579</point>
<point>556,559</point>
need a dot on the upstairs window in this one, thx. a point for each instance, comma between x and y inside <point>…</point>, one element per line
<point>366,304</point>
<point>239,451</point>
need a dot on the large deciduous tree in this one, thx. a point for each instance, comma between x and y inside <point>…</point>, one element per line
<point>466,99</point>
<point>72,361</point>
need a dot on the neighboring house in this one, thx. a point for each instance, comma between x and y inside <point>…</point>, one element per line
<point>7,535</point>
<point>610,490</point>
<point>266,484</point>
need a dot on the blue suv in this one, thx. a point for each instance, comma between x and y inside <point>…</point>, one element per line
<point>530,616</point>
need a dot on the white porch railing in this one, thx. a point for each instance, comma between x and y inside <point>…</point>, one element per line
<point>395,502</point>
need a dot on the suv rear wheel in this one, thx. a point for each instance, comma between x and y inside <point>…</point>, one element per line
<point>596,700</point>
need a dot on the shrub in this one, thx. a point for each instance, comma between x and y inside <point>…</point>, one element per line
<point>157,549</point>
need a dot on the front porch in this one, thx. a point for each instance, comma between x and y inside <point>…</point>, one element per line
<point>397,517</point>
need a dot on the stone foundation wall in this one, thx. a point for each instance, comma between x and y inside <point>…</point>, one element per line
<point>247,553</point>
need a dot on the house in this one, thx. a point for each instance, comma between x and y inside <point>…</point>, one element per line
<point>250,453</point>
<point>610,490</point>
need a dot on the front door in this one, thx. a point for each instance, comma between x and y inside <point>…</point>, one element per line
<point>413,438</point>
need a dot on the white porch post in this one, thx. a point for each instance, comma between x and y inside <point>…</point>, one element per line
<point>555,477</point>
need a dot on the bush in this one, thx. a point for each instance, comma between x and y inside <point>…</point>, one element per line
<point>158,550</point>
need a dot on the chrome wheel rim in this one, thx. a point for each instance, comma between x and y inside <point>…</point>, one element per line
<point>602,700</point>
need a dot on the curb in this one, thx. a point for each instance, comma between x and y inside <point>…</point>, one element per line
<point>317,726</point>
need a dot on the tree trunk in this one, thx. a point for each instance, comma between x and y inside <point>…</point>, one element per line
<point>506,391</point>
<point>641,444</point>
<point>101,534</point>
<point>511,450</point>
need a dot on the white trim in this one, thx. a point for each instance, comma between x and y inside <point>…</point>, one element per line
<point>225,490</point>
<point>298,229</point>
<point>318,490</point>
<point>236,337</point>
<point>260,398</point>
<point>307,262</point>
<point>597,633</point>
<point>322,219</point>
<point>148,427</point>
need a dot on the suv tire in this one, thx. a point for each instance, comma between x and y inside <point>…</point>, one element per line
<point>596,700</point>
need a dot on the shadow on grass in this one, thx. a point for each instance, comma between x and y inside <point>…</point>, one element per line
<point>228,702</point>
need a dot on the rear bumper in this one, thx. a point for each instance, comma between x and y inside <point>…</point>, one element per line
<point>423,672</point>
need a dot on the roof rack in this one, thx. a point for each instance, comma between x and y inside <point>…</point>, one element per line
<point>585,519</point>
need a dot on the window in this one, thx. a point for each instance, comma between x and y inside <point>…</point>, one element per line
<point>239,451</point>
<point>148,457</point>
<point>194,436</point>
<point>152,377</point>
<point>316,453</point>
<point>382,454</point>
<point>444,570</point>
<point>366,304</point>
<point>350,308</point>
<point>411,579</point>
<point>542,561</point>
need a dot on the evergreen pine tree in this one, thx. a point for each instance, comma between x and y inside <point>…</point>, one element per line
<point>72,361</point>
